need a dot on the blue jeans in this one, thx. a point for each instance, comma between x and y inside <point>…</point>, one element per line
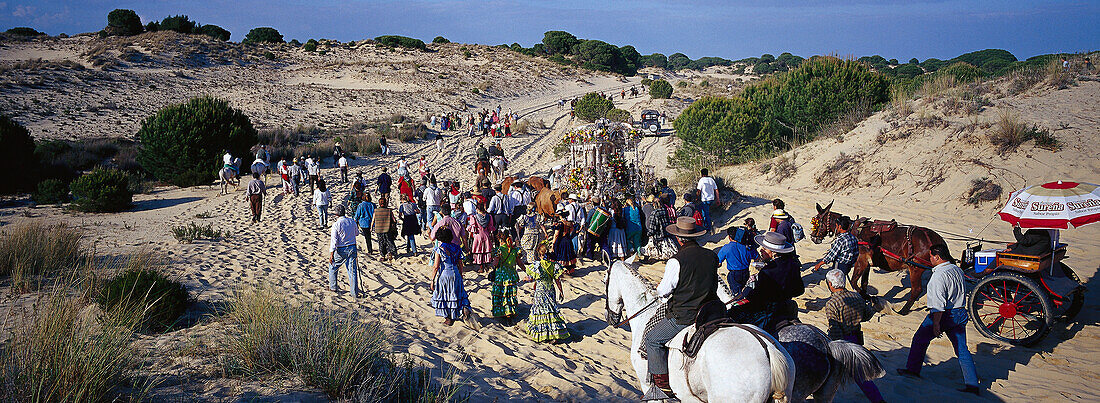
<point>345,256</point>
<point>322,215</point>
<point>953,324</point>
<point>704,210</point>
<point>410,241</point>
<point>655,349</point>
<point>737,280</point>
<point>426,216</point>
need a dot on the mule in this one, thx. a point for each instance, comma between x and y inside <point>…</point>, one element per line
<point>731,366</point>
<point>821,365</point>
<point>546,199</point>
<point>483,168</point>
<point>886,245</point>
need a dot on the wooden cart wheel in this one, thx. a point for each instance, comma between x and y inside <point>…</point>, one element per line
<point>1010,307</point>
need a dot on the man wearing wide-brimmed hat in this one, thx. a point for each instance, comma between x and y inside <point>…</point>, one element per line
<point>690,280</point>
<point>769,296</point>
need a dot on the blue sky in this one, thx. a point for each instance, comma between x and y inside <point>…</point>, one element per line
<point>733,29</point>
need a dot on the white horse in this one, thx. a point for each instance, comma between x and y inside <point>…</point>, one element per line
<point>229,176</point>
<point>499,166</point>
<point>731,366</point>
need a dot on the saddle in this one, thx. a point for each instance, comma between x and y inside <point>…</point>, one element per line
<point>711,317</point>
<point>876,226</point>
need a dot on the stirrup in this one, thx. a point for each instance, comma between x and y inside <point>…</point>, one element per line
<point>655,393</point>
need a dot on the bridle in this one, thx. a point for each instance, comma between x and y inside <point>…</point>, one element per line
<point>615,318</point>
<point>830,220</point>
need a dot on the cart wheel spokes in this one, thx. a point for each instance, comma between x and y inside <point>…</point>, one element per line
<point>1010,307</point>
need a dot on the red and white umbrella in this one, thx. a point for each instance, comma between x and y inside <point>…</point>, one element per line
<point>1054,205</point>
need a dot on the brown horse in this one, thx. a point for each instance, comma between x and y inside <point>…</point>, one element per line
<point>546,200</point>
<point>483,168</point>
<point>884,244</point>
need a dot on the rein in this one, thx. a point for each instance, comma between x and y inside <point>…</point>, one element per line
<point>635,315</point>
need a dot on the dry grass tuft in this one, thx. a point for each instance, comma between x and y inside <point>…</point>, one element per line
<point>343,356</point>
<point>783,168</point>
<point>1010,133</point>
<point>34,252</point>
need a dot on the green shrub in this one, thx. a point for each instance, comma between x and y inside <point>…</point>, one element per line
<point>618,115</point>
<point>23,31</point>
<point>34,250</point>
<point>677,61</point>
<point>17,152</point>
<point>592,106</point>
<point>962,71</point>
<point>191,232</point>
<point>602,56</point>
<point>268,55</point>
<point>123,22</point>
<point>51,191</point>
<point>161,300</point>
<point>263,35</point>
<point>178,23</point>
<point>394,41</point>
<point>559,42</point>
<point>781,109</point>
<point>310,46</point>
<point>182,144</point>
<point>646,82</point>
<point>660,89</point>
<point>213,31</point>
<point>440,40</point>
<point>104,190</point>
<point>655,60</point>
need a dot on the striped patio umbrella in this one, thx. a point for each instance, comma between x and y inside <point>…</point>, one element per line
<point>1054,205</point>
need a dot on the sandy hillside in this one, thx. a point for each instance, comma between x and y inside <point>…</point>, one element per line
<point>917,178</point>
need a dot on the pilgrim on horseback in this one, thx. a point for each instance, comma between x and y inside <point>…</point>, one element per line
<point>690,280</point>
<point>768,298</point>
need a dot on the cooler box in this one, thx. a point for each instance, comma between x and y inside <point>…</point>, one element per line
<point>984,259</point>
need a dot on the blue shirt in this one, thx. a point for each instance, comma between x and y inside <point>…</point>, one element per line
<point>736,256</point>
<point>364,214</point>
<point>384,183</point>
<point>633,218</point>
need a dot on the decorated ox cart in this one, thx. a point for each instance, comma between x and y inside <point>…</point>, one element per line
<point>605,161</point>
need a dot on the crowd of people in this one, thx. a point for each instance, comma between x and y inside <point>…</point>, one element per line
<point>496,230</point>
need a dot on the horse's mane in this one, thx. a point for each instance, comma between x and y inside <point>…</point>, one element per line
<point>633,269</point>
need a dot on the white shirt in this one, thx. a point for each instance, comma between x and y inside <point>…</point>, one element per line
<point>321,198</point>
<point>432,196</point>
<point>343,162</point>
<point>343,233</point>
<point>496,204</point>
<point>313,168</point>
<point>228,159</point>
<point>515,196</point>
<point>671,278</point>
<point>469,207</point>
<point>946,289</point>
<point>708,190</point>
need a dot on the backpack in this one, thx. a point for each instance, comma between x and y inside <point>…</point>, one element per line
<point>797,231</point>
<point>745,236</point>
<point>698,216</point>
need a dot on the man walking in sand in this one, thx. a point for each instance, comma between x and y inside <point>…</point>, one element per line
<point>255,195</point>
<point>342,250</point>
<point>343,164</point>
<point>946,293</point>
<point>384,184</point>
<point>313,167</point>
<point>708,195</point>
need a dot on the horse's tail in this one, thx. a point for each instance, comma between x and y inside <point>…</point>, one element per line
<point>783,375</point>
<point>856,360</point>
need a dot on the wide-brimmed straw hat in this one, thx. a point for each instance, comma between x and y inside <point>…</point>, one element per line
<point>686,227</point>
<point>780,214</point>
<point>774,242</point>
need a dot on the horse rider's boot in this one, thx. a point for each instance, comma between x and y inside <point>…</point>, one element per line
<point>659,390</point>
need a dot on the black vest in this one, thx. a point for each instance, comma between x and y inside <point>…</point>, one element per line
<point>698,282</point>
